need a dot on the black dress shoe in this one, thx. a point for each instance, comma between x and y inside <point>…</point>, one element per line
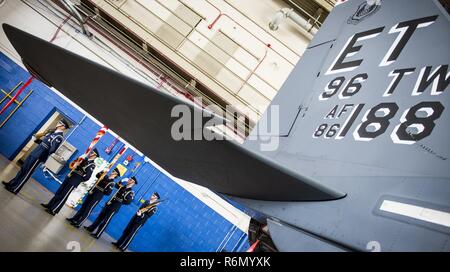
<point>50,212</point>
<point>44,205</point>
<point>10,190</point>
<point>94,235</point>
<point>70,220</point>
<point>115,244</point>
<point>75,225</point>
<point>88,229</point>
<point>5,183</point>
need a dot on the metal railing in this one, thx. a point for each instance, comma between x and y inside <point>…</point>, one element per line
<point>212,58</point>
<point>147,57</point>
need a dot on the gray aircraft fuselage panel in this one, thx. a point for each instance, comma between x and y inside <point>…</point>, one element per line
<point>362,144</point>
<point>375,124</point>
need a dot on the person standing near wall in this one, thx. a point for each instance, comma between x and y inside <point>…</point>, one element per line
<point>104,187</point>
<point>48,144</point>
<point>142,215</point>
<point>123,196</point>
<point>82,173</point>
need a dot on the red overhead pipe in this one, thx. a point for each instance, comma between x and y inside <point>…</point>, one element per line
<point>256,68</point>
<point>59,28</point>
<point>210,26</point>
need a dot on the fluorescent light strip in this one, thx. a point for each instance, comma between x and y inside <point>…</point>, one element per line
<point>417,212</point>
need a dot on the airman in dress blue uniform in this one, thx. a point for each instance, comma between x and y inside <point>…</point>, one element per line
<point>123,196</point>
<point>104,187</point>
<point>82,173</point>
<point>47,145</point>
<point>146,211</point>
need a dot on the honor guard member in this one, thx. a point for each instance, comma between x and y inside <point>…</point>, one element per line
<point>48,144</point>
<point>103,187</point>
<point>81,173</point>
<point>142,215</point>
<point>124,195</point>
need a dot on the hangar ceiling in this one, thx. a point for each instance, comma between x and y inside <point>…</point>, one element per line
<point>229,57</point>
<point>317,9</point>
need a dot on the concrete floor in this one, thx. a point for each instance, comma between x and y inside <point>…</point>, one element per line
<point>25,226</point>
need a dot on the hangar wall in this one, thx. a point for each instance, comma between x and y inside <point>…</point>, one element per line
<point>189,222</point>
<point>184,223</point>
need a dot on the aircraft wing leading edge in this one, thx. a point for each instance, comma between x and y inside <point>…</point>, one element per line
<point>142,116</point>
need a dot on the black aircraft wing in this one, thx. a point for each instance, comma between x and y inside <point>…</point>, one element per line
<point>142,116</point>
